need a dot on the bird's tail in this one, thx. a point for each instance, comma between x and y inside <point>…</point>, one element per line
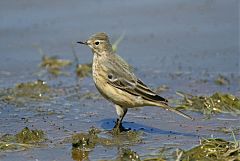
<point>167,107</point>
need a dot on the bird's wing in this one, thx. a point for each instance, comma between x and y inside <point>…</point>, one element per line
<point>121,76</point>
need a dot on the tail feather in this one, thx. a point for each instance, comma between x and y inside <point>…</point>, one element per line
<point>179,112</point>
<point>167,107</point>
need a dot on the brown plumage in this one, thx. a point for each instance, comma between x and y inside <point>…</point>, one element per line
<point>115,80</point>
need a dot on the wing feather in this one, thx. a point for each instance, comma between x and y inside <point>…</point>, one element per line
<point>122,77</point>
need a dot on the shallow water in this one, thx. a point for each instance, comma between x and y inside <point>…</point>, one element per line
<point>184,45</point>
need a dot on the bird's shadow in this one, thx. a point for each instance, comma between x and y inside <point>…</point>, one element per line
<point>108,124</point>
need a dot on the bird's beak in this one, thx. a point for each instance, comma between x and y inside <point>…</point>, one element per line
<point>84,43</point>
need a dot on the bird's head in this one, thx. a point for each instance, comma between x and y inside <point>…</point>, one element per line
<point>99,43</point>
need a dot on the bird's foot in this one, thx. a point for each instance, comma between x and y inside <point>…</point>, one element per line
<point>118,128</point>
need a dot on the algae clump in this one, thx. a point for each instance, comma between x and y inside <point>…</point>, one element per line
<point>217,103</point>
<point>54,65</point>
<point>25,139</point>
<point>24,92</point>
<point>84,70</point>
<point>30,136</point>
<point>126,154</point>
<point>213,149</point>
<point>84,143</point>
<point>88,140</point>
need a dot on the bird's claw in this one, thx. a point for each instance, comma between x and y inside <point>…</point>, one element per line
<point>118,128</point>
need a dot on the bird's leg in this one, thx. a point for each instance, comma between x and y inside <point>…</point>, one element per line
<point>121,112</point>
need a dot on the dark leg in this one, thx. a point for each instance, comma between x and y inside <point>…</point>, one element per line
<point>121,111</point>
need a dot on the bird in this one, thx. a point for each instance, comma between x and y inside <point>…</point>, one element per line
<point>115,80</point>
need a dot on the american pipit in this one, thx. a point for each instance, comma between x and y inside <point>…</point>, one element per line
<point>115,80</point>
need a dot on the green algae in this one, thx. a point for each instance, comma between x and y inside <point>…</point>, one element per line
<point>213,149</point>
<point>126,154</point>
<point>23,140</point>
<point>90,139</point>
<point>84,70</point>
<point>54,65</point>
<point>154,159</point>
<point>210,149</point>
<point>84,143</point>
<point>8,147</point>
<point>80,154</point>
<point>217,103</point>
<point>28,136</point>
<point>87,140</point>
<point>24,92</point>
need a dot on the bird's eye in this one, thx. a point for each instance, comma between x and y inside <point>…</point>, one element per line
<point>97,43</point>
<point>110,76</point>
